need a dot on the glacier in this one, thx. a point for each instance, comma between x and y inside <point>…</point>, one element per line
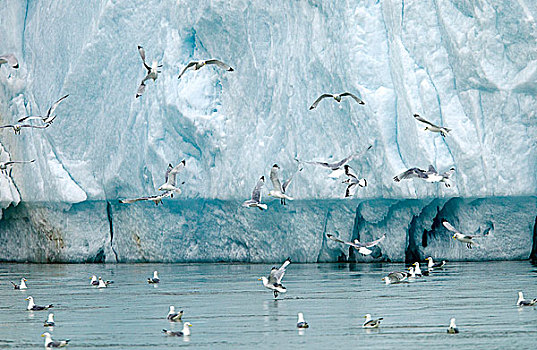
<point>469,65</point>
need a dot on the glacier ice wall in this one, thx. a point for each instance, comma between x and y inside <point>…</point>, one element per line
<point>469,65</point>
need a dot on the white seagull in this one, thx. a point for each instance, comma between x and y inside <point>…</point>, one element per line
<point>10,59</point>
<point>33,307</point>
<point>173,315</point>
<point>184,332</point>
<point>432,265</point>
<point>49,343</point>
<point>459,236</point>
<point>49,118</point>
<point>395,277</point>
<point>452,329</point>
<point>361,247</point>
<point>171,176</point>
<point>154,279</point>
<point>353,181</point>
<point>4,165</point>
<point>152,72</point>
<point>336,97</point>
<point>417,270</point>
<point>301,323</point>
<point>274,280</point>
<point>431,175</point>
<point>337,168</point>
<point>371,323</point>
<point>50,321</point>
<point>102,284</point>
<point>196,65</point>
<point>21,286</point>
<point>18,127</point>
<point>157,199</point>
<point>432,127</point>
<point>279,189</point>
<point>255,201</point>
<point>523,302</point>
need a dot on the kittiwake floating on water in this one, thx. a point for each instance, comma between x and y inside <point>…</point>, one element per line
<point>49,117</point>
<point>337,168</point>
<point>10,59</point>
<point>395,277</point>
<point>280,189</point>
<point>336,97</point>
<point>171,177</point>
<point>432,127</point>
<point>20,286</point>
<point>157,199</point>
<point>33,307</point>
<point>255,201</point>
<point>154,279</point>
<point>371,323</point>
<point>353,181</point>
<point>411,273</point>
<point>49,343</point>
<point>301,323</point>
<point>152,72</point>
<point>432,265</point>
<point>274,280</point>
<point>184,332</point>
<point>452,329</point>
<point>50,321</point>
<point>196,65</point>
<point>173,315</point>
<point>459,236</point>
<point>417,270</point>
<point>361,247</point>
<point>18,127</point>
<point>523,302</point>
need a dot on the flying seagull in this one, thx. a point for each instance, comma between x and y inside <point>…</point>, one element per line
<point>361,247</point>
<point>459,236</point>
<point>50,321</point>
<point>255,201</point>
<point>173,315</point>
<point>157,199</point>
<point>49,118</point>
<point>371,323</point>
<point>184,332</point>
<point>154,279</point>
<point>4,165</point>
<point>33,307</point>
<point>279,189</point>
<point>431,175</point>
<point>353,181</point>
<point>152,72</point>
<point>395,277</point>
<point>196,65</point>
<point>452,329</point>
<point>170,178</point>
<point>523,302</point>
<point>21,286</point>
<point>18,127</point>
<point>301,323</point>
<point>274,280</point>
<point>336,97</point>
<point>432,265</point>
<point>49,343</point>
<point>336,168</point>
<point>432,127</point>
<point>9,59</point>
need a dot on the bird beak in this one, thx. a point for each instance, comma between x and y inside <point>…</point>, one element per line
<point>27,299</point>
<point>190,325</point>
<point>42,335</point>
<point>25,279</point>
<point>259,279</point>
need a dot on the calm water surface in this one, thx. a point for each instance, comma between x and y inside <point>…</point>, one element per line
<point>229,308</point>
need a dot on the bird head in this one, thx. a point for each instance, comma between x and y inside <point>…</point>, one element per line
<point>188,324</point>
<point>455,236</point>
<point>46,334</point>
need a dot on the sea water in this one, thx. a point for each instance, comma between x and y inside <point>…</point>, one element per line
<point>230,309</point>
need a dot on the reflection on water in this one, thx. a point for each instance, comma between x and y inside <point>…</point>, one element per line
<point>229,308</point>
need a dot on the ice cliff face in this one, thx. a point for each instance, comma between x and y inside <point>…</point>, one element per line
<point>468,65</point>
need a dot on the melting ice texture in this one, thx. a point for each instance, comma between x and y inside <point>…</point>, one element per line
<point>468,65</point>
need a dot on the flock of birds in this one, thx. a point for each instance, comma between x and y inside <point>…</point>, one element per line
<point>280,191</point>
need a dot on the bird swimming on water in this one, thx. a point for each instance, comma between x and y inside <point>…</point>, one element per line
<point>20,286</point>
<point>33,307</point>
<point>184,332</point>
<point>301,323</point>
<point>49,343</point>
<point>432,265</point>
<point>523,302</point>
<point>50,321</point>
<point>452,329</point>
<point>371,323</point>
<point>173,315</point>
<point>154,279</point>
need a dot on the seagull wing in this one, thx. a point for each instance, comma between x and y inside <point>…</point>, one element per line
<point>288,181</point>
<point>351,190</point>
<point>275,179</point>
<point>10,59</point>
<point>6,126</point>
<point>370,244</point>
<point>276,275</point>
<point>449,226</point>
<point>51,109</point>
<point>35,126</point>
<point>356,98</point>
<point>410,173</point>
<point>349,158</point>
<point>319,100</point>
<point>190,64</point>
<point>350,172</point>
<point>30,118</point>
<point>335,239</point>
<point>140,90</point>
<point>142,55</point>
<point>19,161</point>
<point>220,64</point>
<point>171,174</point>
<point>419,118</point>
<point>256,194</point>
<point>431,169</point>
